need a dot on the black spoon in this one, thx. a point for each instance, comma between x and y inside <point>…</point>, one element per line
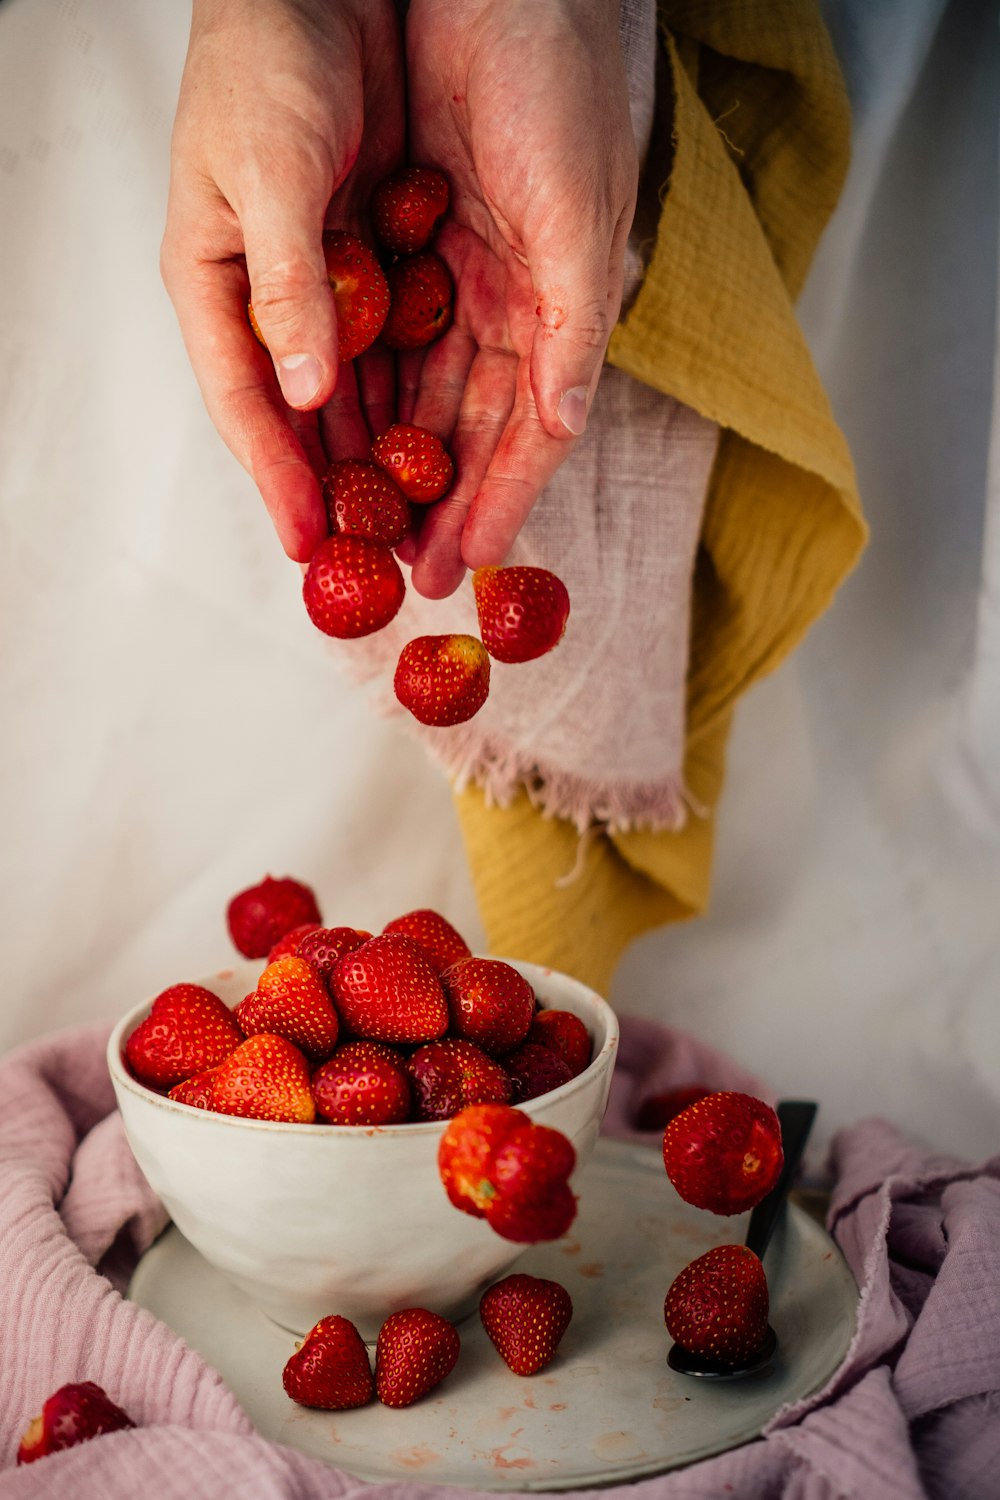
<point>796,1118</point>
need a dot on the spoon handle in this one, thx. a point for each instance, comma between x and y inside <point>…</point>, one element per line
<point>796,1118</point>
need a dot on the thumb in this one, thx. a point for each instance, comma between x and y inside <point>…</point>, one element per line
<point>571,336</point>
<point>291,296</point>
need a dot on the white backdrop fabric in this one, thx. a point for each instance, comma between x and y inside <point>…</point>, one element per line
<point>172,727</point>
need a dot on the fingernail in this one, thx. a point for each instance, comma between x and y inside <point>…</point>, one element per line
<point>299,376</point>
<point>572,409</point>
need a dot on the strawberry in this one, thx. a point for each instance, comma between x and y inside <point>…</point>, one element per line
<point>324,947</point>
<point>291,1001</point>
<point>361,500</point>
<point>497,1164</point>
<point>360,293</point>
<point>262,914</point>
<point>489,1002</point>
<point>407,206</point>
<point>656,1112</point>
<point>187,1031</point>
<point>267,1078</point>
<point>562,1032</point>
<point>439,940</point>
<point>525,1318</point>
<point>724,1152</point>
<point>717,1307</point>
<point>450,1074</point>
<point>535,1070</point>
<point>442,679</point>
<point>330,1368</point>
<point>415,460</point>
<point>352,586</point>
<point>73,1414</point>
<point>196,1091</point>
<point>388,991</point>
<point>522,611</point>
<point>363,1083</point>
<point>420,301</point>
<point>416,1349</point>
<point>287,946</point>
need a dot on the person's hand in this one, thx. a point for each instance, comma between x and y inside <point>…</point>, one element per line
<point>524,104</point>
<point>290,112</point>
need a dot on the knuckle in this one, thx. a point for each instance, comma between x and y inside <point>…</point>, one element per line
<point>280,293</point>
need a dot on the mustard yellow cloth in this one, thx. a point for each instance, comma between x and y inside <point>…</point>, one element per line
<point>760,150</point>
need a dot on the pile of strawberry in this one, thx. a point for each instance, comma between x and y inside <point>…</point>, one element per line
<point>354,585</point>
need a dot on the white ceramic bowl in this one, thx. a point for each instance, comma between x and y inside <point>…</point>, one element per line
<point>318,1219</point>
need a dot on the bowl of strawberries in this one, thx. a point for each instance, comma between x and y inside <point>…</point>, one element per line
<point>315,1127</point>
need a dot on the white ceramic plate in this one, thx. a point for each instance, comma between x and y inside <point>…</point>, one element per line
<point>607,1409</point>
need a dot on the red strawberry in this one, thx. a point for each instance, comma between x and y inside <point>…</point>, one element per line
<point>522,611</point>
<point>291,1001</point>
<point>562,1032</point>
<point>363,1083</point>
<point>188,1030</point>
<point>439,940</point>
<point>525,1318</point>
<point>451,1074</point>
<point>407,206</point>
<point>262,914</point>
<point>416,1349</point>
<point>388,991</point>
<point>197,1091</point>
<point>267,1078</point>
<point>73,1414</point>
<point>724,1152</point>
<point>656,1112</point>
<point>287,946</point>
<point>416,460</point>
<point>420,301</point>
<point>489,1002</point>
<point>352,586</point>
<point>363,501</point>
<point>330,1369</point>
<point>443,679</point>
<point>535,1070</point>
<point>325,947</point>
<point>717,1307</point>
<point>497,1164</point>
<point>360,293</point>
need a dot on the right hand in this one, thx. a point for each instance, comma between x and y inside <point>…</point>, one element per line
<point>289,114</point>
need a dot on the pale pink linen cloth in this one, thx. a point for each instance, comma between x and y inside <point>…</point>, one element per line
<point>914,1412</point>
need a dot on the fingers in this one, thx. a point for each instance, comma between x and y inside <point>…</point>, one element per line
<point>572,332</point>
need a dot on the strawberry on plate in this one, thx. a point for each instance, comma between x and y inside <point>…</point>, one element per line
<point>525,1318</point>
<point>449,1074</point>
<point>353,586</point>
<point>497,1164</point>
<point>72,1414</point>
<point>187,1031</point>
<point>535,1070</point>
<point>421,293</point>
<point>415,460</point>
<point>361,500</point>
<point>522,611</point>
<point>717,1307</point>
<point>360,293</point>
<point>723,1153</point>
<point>292,1001</point>
<point>562,1032</point>
<point>363,1083</point>
<point>443,679</point>
<point>262,914</point>
<point>330,1369</point>
<point>267,1078</point>
<point>435,934</point>
<point>489,1002</point>
<point>387,991</point>
<point>407,206</point>
<point>416,1349</point>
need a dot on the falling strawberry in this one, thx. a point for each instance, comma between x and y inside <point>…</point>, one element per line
<point>360,293</point>
<point>435,934</point>
<point>330,1370</point>
<point>717,1307</point>
<point>292,1001</point>
<point>656,1111</point>
<point>535,1070</point>
<point>416,461</point>
<point>324,948</point>
<point>187,1031</point>
<point>287,946</point>
<point>421,293</point>
<point>522,611</point>
<point>497,1164</point>
<point>73,1414</point>
<point>407,206</point>
<point>363,1083</point>
<point>450,1074</point>
<point>443,679</point>
<point>489,1002</point>
<point>416,1349</point>
<point>198,1091</point>
<point>724,1152</point>
<point>525,1318</point>
<point>262,914</point>
<point>361,500</point>
<point>267,1078</point>
<point>387,990</point>
<point>352,586</point>
<point>562,1032</point>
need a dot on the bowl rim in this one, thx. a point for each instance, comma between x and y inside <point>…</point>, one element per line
<point>122,1079</point>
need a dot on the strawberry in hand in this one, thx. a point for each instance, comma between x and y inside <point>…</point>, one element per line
<point>407,206</point>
